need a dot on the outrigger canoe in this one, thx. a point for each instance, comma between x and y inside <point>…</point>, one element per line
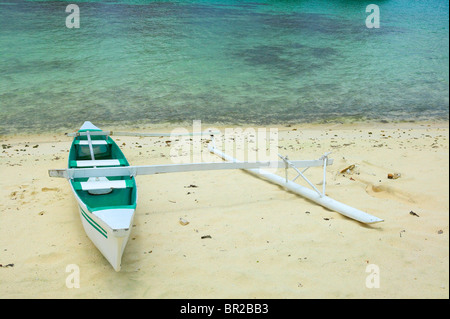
<point>106,203</point>
<point>104,185</point>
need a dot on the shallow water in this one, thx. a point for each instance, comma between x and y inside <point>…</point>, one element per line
<point>221,61</point>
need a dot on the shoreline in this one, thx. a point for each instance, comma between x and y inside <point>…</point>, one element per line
<point>264,242</point>
<point>154,127</point>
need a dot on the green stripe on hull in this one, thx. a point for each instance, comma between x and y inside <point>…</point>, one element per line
<point>93,223</point>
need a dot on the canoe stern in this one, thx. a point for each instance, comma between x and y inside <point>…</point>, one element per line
<point>109,230</point>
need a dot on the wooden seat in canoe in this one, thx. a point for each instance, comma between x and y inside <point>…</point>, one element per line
<point>94,142</point>
<point>102,185</point>
<point>96,163</point>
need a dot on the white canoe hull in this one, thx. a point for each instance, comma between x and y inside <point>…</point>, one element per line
<point>109,230</point>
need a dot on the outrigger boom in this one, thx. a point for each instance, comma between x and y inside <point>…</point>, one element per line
<point>231,163</point>
<point>172,168</point>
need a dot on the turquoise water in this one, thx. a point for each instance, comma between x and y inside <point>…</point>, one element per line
<point>231,62</point>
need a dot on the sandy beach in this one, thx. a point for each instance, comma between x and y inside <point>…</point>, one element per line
<point>245,237</point>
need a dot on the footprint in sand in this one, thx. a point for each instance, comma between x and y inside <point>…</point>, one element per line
<point>49,258</point>
<point>50,189</point>
<point>53,193</point>
<point>386,192</point>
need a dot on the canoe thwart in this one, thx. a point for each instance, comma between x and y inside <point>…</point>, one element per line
<point>94,142</point>
<point>91,163</point>
<point>97,185</point>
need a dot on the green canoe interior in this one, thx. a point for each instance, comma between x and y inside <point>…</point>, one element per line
<point>118,198</point>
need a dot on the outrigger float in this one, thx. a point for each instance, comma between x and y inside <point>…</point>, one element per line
<point>104,185</point>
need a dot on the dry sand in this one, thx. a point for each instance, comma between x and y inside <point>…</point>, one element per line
<point>264,242</point>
